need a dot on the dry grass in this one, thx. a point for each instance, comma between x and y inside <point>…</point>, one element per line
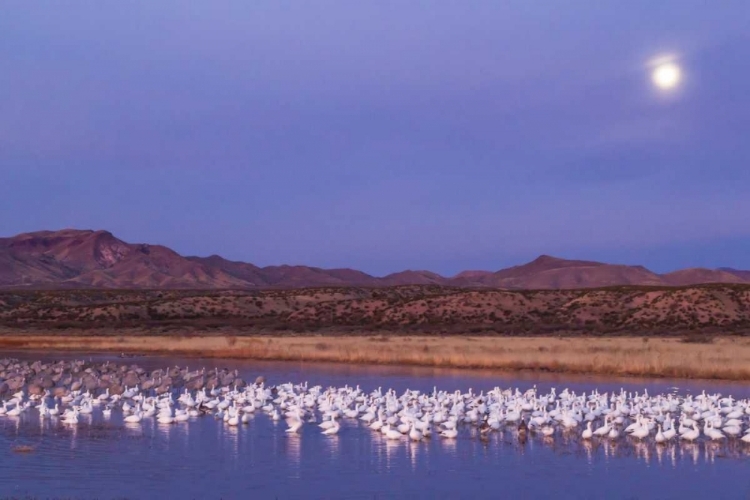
<point>723,358</point>
<point>22,449</point>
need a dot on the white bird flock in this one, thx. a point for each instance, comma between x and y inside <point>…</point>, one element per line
<point>414,415</point>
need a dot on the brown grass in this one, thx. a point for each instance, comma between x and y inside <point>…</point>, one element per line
<point>22,449</point>
<point>723,358</point>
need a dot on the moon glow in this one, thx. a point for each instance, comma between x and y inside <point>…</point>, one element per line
<point>666,76</point>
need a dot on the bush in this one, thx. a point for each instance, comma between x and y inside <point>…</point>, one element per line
<point>698,339</point>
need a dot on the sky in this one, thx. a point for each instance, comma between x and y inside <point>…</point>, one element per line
<point>382,135</point>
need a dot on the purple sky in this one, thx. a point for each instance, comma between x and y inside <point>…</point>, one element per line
<point>382,135</point>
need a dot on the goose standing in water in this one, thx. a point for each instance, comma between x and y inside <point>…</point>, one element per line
<point>660,436</point>
<point>333,429</point>
<point>587,433</point>
<point>613,433</point>
<point>641,432</point>
<point>711,432</point>
<point>295,424</point>
<point>485,428</point>
<point>692,434</point>
<point>449,433</point>
<point>16,411</point>
<point>134,418</point>
<point>523,431</point>
<point>414,434</point>
<point>604,429</point>
<point>522,428</point>
<point>548,430</point>
<point>669,434</point>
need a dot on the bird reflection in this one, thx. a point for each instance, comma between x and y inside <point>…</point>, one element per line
<point>449,445</point>
<point>391,448</point>
<point>589,448</point>
<point>413,451</point>
<point>711,449</point>
<point>74,438</point>
<point>162,431</point>
<point>293,451</point>
<point>184,431</point>
<point>231,437</point>
<point>641,451</point>
<point>332,444</point>
<point>691,449</point>
<point>133,429</point>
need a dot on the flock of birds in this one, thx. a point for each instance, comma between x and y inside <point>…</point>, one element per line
<point>77,389</point>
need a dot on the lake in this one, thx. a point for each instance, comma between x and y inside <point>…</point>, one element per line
<point>205,458</point>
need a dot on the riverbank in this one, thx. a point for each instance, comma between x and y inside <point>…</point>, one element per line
<point>726,358</point>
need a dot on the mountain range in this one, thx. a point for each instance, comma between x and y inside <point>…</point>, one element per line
<point>72,258</point>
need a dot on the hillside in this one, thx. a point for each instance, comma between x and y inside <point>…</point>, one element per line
<point>97,259</point>
<point>427,309</point>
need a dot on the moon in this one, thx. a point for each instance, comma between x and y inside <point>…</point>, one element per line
<point>666,76</point>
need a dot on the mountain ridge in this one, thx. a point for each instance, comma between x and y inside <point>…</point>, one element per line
<point>73,258</point>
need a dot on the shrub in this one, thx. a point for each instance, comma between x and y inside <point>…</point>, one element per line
<point>698,339</point>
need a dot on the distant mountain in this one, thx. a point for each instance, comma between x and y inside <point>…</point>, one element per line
<point>745,275</point>
<point>72,258</point>
<point>97,259</point>
<point>700,275</point>
<point>287,276</point>
<point>415,278</point>
<point>547,272</point>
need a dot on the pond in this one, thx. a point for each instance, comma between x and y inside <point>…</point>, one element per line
<point>205,458</point>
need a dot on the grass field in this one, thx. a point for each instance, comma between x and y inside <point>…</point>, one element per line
<point>720,358</point>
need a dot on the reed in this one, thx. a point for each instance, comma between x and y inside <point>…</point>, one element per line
<point>722,358</point>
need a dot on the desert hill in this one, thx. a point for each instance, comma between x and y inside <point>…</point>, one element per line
<point>430,309</point>
<point>73,258</point>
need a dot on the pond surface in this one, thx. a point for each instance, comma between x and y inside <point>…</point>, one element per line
<point>204,458</point>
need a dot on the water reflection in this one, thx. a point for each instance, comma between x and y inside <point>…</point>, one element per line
<point>331,444</point>
<point>133,429</point>
<point>642,451</point>
<point>161,433</point>
<point>73,436</point>
<point>413,451</point>
<point>293,453</point>
<point>588,448</point>
<point>231,438</point>
<point>379,453</point>
<point>448,446</point>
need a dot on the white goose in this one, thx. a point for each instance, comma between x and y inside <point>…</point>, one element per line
<point>587,432</point>
<point>333,429</point>
<point>691,435</point>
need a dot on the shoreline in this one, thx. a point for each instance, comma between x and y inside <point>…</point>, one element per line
<point>724,358</point>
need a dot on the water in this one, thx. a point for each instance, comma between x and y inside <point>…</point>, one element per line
<point>208,459</point>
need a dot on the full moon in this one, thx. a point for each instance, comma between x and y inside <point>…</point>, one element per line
<point>666,76</point>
